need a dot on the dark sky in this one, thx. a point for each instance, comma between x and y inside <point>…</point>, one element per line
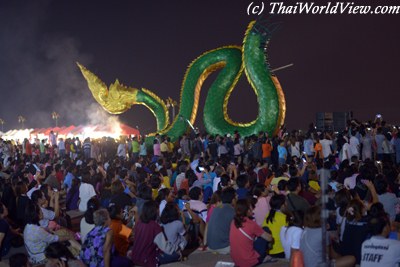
<point>341,62</point>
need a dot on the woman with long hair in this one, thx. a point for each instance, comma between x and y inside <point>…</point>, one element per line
<point>290,235</point>
<point>150,246</point>
<point>174,229</point>
<point>246,250</point>
<point>275,220</point>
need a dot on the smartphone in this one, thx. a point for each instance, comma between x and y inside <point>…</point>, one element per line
<point>304,160</point>
<point>201,169</point>
<point>55,189</point>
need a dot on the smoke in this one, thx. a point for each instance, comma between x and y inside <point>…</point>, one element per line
<point>39,74</point>
<point>97,116</point>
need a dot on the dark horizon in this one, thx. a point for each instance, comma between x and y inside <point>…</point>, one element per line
<point>341,62</point>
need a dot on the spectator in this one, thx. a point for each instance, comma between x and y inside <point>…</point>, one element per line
<point>219,224</point>
<point>246,250</point>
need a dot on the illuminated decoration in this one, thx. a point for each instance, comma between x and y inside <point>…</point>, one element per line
<point>21,120</point>
<point>113,130</point>
<point>55,116</point>
<point>231,61</point>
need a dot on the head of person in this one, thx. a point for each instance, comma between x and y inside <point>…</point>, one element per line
<point>379,222</point>
<point>38,197</point>
<point>21,188</point>
<point>19,260</point>
<point>170,213</point>
<point>259,190</point>
<point>293,185</point>
<point>228,195</point>
<point>312,217</point>
<point>195,193</point>
<point>276,202</point>
<point>243,210</point>
<point>342,199</point>
<point>242,180</point>
<point>92,205</point>
<point>164,194</point>
<point>355,210</point>
<point>115,211</point>
<point>144,192</point>
<point>57,254</point>
<point>296,218</point>
<point>101,217</point>
<point>33,214</point>
<point>149,211</point>
<point>117,187</point>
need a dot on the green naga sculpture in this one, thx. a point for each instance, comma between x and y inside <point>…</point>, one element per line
<point>231,61</point>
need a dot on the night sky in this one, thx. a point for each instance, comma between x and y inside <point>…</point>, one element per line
<point>341,62</point>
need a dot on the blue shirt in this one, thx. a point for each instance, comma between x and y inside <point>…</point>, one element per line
<point>68,179</point>
<point>282,152</point>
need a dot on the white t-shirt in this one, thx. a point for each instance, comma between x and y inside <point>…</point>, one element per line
<point>346,153</point>
<point>354,146</point>
<point>326,147</point>
<point>380,251</point>
<point>86,192</point>
<point>290,238</point>
<point>215,183</point>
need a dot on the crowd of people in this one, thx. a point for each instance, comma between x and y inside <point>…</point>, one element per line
<point>256,198</point>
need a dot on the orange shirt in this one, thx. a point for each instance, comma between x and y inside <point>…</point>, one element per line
<point>318,151</point>
<point>266,150</point>
<point>120,236</point>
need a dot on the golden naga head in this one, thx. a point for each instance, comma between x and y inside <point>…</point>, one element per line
<point>116,99</point>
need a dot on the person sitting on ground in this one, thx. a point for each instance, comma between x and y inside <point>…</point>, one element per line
<point>294,201</point>
<point>164,196</point>
<point>7,234</point>
<point>22,202</point>
<point>119,197</point>
<point>150,247</point>
<point>379,249</point>
<point>261,203</point>
<point>35,237</point>
<point>121,232</point>
<point>389,200</point>
<point>39,199</point>
<point>242,182</point>
<point>86,191</point>
<point>87,223</point>
<point>245,249</point>
<point>219,224</point>
<point>97,247</point>
<point>174,229</point>
<point>275,220</point>
<point>72,199</point>
<point>311,240</point>
<point>58,254</point>
<point>19,260</point>
<point>290,235</point>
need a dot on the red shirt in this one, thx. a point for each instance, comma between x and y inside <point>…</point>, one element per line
<point>144,250</point>
<point>242,250</point>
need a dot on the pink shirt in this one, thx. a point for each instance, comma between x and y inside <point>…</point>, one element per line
<point>157,150</point>
<point>261,209</point>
